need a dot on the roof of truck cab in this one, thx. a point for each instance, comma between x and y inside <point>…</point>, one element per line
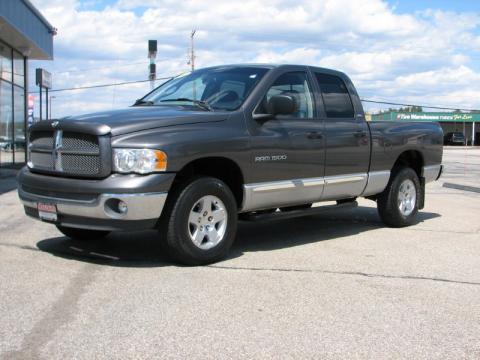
<point>274,66</point>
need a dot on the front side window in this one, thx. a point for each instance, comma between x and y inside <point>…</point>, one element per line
<point>221,88</point>
<point>335,96</point>
<point>296,85</point>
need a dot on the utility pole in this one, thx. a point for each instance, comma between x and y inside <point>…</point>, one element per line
<point>50,102</point>
<point>152,69</point>
<point>192,62</point>
<point>192,50</point>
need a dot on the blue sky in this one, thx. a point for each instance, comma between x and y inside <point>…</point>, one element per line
<point>402,6</point>
<point>424,52</point>
<point>409,6</point>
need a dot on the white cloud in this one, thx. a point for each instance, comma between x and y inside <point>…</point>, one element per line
<point>429,56</point>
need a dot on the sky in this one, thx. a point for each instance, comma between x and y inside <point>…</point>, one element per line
<point>421,52</point>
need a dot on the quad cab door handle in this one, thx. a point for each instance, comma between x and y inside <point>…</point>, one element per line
<point>312,135</point>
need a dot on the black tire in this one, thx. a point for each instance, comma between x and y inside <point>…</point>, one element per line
<point>175,221</point>
<point>387,202</point>
<point>82,234</point>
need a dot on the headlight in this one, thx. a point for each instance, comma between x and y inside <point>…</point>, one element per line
<point>141,161</point>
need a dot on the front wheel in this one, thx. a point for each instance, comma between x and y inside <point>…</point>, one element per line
<point>200,221</point>
<point>82,234</point>
<point>398,204</point>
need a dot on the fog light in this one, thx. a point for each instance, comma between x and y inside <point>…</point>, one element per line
<point>122,207</point>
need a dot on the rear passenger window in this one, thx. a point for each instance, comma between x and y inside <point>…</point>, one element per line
<point>335,96</point>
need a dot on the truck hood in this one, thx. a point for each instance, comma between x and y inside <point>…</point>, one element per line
<point>139,118</point>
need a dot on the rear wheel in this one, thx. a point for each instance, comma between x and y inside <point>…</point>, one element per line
<point>82,234</point>
<point>200,221</point>
<point>398,204</point>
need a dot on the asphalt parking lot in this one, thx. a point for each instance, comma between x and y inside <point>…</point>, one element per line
<point>334,286</point>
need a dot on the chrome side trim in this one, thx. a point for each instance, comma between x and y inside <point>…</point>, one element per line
<point>140,206</point>
<point>344,186</point>
<point>273,186</point>
<point>341,179</point>
<point>273,194</point>
<point>313,182</point>
<point>377,182</point>
<point>431,172</point>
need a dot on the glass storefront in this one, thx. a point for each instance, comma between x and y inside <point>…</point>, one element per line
<point>12,107</point>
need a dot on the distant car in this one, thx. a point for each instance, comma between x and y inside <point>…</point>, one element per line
<point>5,143</point>
<point>454,138</point>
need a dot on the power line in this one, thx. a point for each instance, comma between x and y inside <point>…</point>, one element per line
<point>423,106</point>
<point>103,85</point>
<point>113,66</point>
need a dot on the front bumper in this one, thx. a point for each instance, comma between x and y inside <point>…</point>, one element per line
<point>92,204</point>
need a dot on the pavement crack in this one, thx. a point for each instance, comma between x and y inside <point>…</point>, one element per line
<point>60,313</point>
<point>353,273</point>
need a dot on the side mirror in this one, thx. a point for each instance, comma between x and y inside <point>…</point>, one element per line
<point>282,104</point>
<point>278,105</point>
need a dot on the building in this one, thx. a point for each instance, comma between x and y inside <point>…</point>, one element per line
<point>449,121</point>
<point>24,34</point>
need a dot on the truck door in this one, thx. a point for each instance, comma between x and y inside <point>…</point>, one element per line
<point>287,151</point>
<point>347,146</point>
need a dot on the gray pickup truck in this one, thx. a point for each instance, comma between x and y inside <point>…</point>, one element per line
<point>224,143</point>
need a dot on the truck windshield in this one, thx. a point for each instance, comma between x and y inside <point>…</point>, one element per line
<point>222,88</point>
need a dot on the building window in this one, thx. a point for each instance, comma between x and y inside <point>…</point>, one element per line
<point>18,69</point>
<point>12,106</point>
<point>5,63</point>
<point>19,124</point>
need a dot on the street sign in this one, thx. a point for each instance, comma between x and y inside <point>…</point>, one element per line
<point>43,78</point>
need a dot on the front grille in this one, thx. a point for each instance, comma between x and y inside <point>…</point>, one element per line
<point>67,153</point>
<point>80,142</point>
<point>42,138</point>
<point>80,164</point>
<point>42,160</point>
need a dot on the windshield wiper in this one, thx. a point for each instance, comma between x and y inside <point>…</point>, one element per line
<point>143,102</point>
<point>201,104</point>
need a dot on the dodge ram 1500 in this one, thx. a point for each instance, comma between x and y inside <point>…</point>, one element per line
<point>207,148</point>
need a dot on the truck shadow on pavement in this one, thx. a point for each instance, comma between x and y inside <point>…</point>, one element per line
<point>143,249</point>
<point>7,184</point>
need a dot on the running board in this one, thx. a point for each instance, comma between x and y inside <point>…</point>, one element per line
<point>278,215</point>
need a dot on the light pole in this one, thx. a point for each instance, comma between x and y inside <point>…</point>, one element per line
<point>192,50</point>
<point>50,103</point>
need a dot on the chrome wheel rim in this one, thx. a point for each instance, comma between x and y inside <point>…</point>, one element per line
<point>207,222</point>
<point>407,197</point>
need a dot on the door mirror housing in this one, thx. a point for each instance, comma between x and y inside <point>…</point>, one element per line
<point>262,117</point>
<point>282,104</point>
